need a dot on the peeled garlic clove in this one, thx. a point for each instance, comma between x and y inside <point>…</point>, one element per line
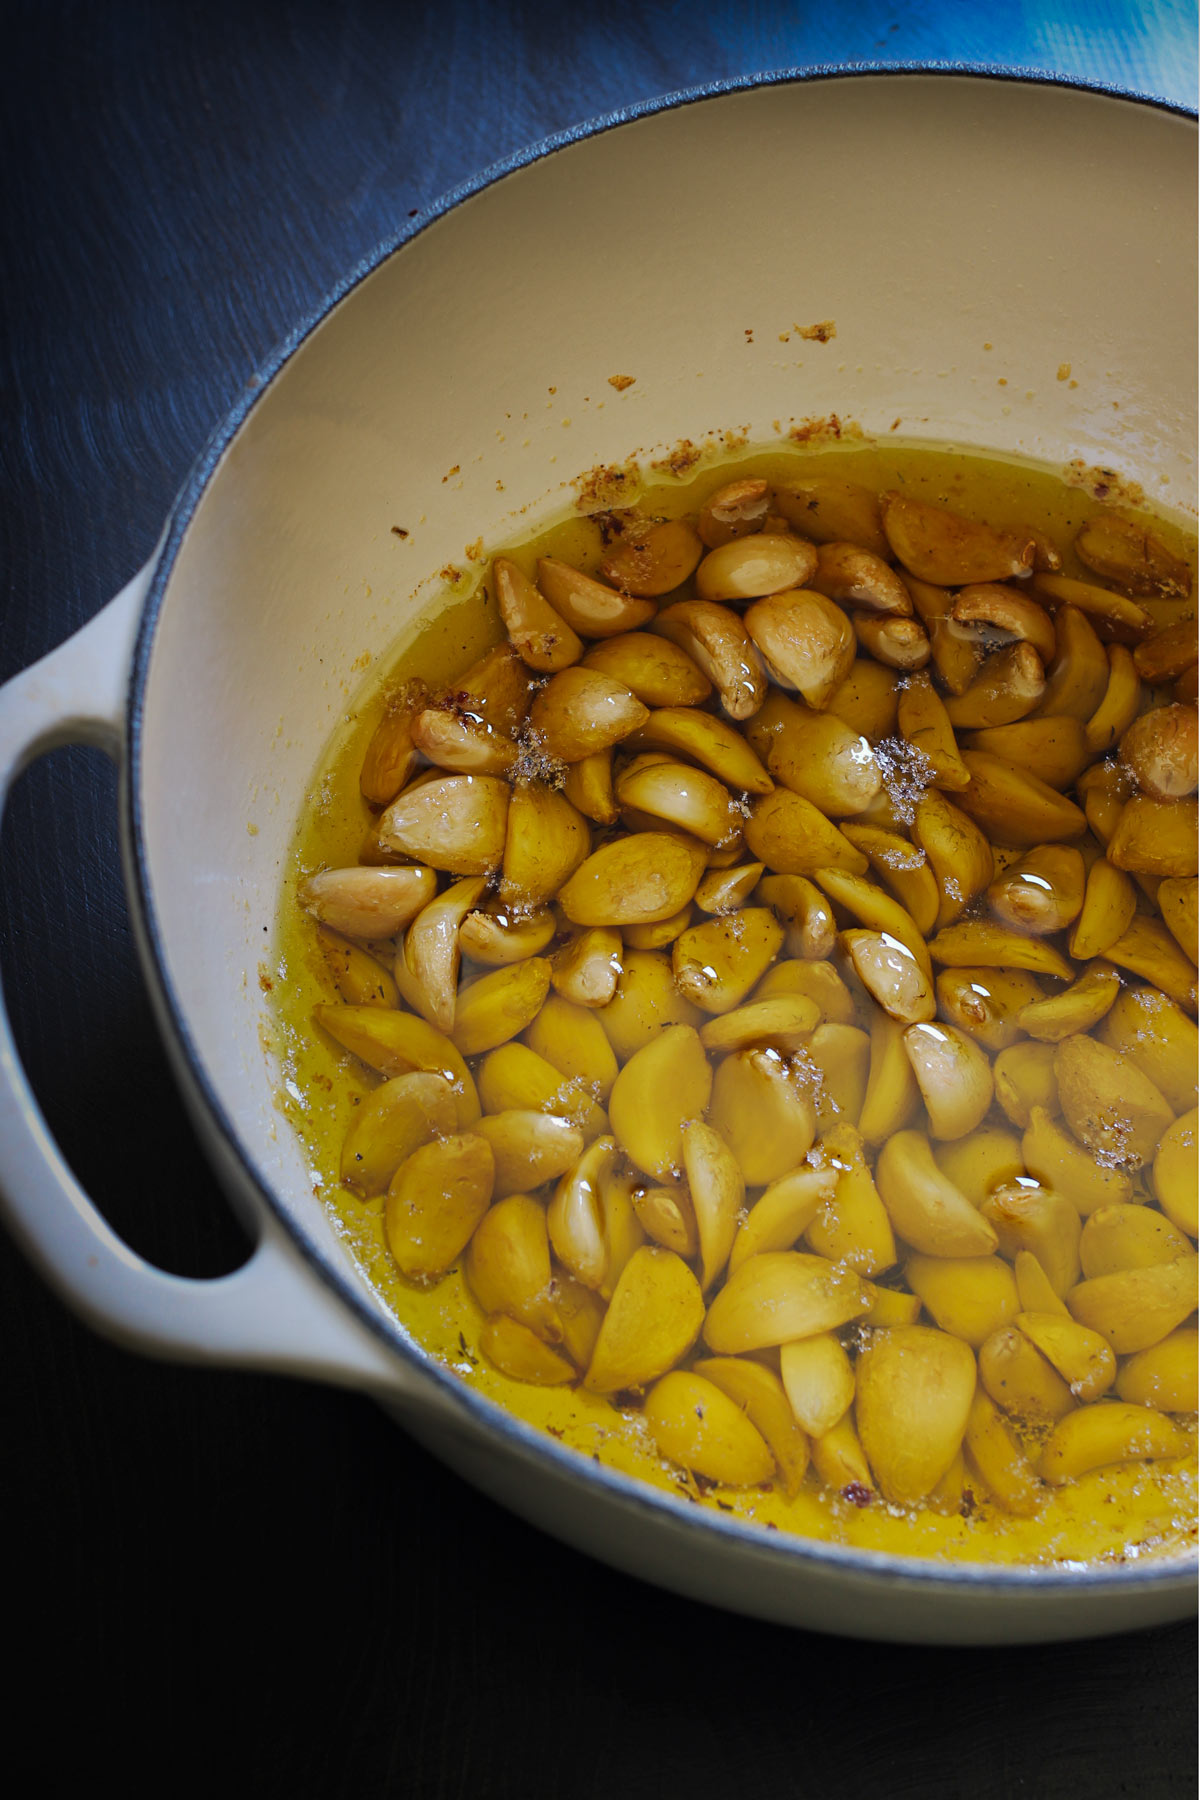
<point>1075,1009</point>
<point>1033,1285</point>
<point>1109,1104</point>
<point>1042,891</point>
<point>925,724</point>
<point>572,1038</point>
<point>358,977</point>
<point>1092,1437</point>
<point>1001,1461</point>
<point>1137,1307</point>
<point>1175,1173</point>
<point>858,578</point>
<point>724,890</point>
<point>690,798</point>
<point>954,1076</point>
<point>1079,1355</point>
<point>717,641</point>
<point>1118,707</point>
<point>645,1001</point>
<point>717,1192</point>
<point>580,711</point>
<point>915,1387</point>
<point>1147,948</point>
<point>784,1024</point>
<point>390,1123</point>
<point>780,1295</point>
<point>816,981</point>
<point>895,979</point>
<point>803,909</point>
<point>515,1078</point>
<point>529,1148</point>
<point>892,1095</point>
<point>1168,654</point>
<point>1015,1374</point>
<point>984,943</point>
<point>867,700</point>
<point>898,643</point>
<point>733,511</point>
<point>818,1378</point>
<point>695,1424</point>
<point>507,1265</point>
<point>454,822</point>
<point>467,745</point>
<point>431,950</point>
<point>540,636</point>
<point>1027,1217</point>
<point>958,853</point>
<point>764,1112</point>
<point>1133,557</point>
<point>851,1227</point>
<point>1164,1375</point>
<point>1109,903</point>
<point>1145,1028</point>
<point>391,755</point>
<point>520,1354</point>
<point>717,962</point>
<point>546,840</point>
<point>954,655</point>
<point>588,786</point>
<point>807,640</point>
<point>499,1005</point>
<point>707,740</point>
<point>820,757</point>
<point>1177,904</point>
<point>1054,749</point>
<point>666,1215</point>
<point>945,548</point>
<point>653,1318</point>
<point>758,1392</point>
<point>1113,614</point>
<point>841,1465</point>
<point>436,1198</point>
<point>1155,837</point>
<point>397,1043</point>
<point>588,606</point>
<point>586,970</point>
<point>367,902</point>
<point>987,1003</point>
<point>1015,808</point>
<point>1056,1159</point>
<point>1001,608</point>
<point>1077,679</point>
<point>1128,1237</point>
<point>926,1209</point>
<point>575,1216</point>
<point>830,510</point>
<point>971,1297</point>
<point>634,880</point>
<point>649,560</point>
<point>652,667</point>
<point>792,837</point>
<point>1025,1079</point>
<point>981,1162</point>
<point>495,934</point>
<point>782,1213</point>
<point>660,1088</point>
<point>751,567</point>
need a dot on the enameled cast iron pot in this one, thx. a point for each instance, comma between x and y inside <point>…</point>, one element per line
<point>968,236</point>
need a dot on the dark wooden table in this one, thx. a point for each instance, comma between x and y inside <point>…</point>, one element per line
<point>248,1586</point>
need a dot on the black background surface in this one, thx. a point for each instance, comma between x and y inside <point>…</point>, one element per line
<point>243,1585</point>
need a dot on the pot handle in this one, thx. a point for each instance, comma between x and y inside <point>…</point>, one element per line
<point>275,1311</point>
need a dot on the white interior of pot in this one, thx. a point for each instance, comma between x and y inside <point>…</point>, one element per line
<point>968,238</point>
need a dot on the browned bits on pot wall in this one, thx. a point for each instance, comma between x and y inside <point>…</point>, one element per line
<point>776,963</point>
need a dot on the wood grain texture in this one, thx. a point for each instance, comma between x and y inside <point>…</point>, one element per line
<point>256,1587</point>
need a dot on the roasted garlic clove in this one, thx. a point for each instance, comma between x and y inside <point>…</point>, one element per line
<point>454,822</point>
<point>653,1318</point>
<point>751,567</point>
<point>718,643</point>
<point>572,1038</point>
<point>957,851</point>
<point>1007,688</point>
<point>830,510</point>
<point>496,934</point>
<point>652,667</point>
<point>356,974</point>
<point>391,1122</point>
<point>1015,808</point>
<point>1128,1237</point>
<point>987,1002</point>
<point>1137,1307</point>
<point>1160,749</point>
<point>782,1213</point>
<point>926,1210</point>
<point>650,560</point>
<point>1028,1217</point>
<point>758,1392</point>
<point>954,1076</point>
<point>1054,749</point>
<point>858,578</point>
<point>717,1192</point>
<point>660,1088</point>
<point>780,1295</point>
<point>1109,1104</point>
<point>807,641</point>
<point>1059,1161</point>
<point>995,607</point>
<point>540,636</point>
<point>764,1112</point>
<point>589,606</point>
<point>507,1264</point>
<point>588,967</point>
<point>1077,679</point>
<point>680,795</point>
<point>1092,1437</point>
<point>694,1423</point>
<point>1119,706</point>
<point>1042,892</point>
<point>793,837</point>
<point>365,902</point>
<point>1073,1009</point>
<point>436,1198</point>
<point>734,511</point>
<point>818,1378</point>
<point>427,963</point>
<point>819,756</point>
<point>1014,1373</point>
<point>634,880</point>
<point>947,549</point>
<point>1109,903</point>
<point>915,1387</point>
<point>707,740</point>
<point>1131,556</point>
<point>529,1148</point>
<point>971,1297</point>
<point>397,1043</point>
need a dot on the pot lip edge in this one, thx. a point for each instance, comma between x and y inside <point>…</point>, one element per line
<point>921,1575</point>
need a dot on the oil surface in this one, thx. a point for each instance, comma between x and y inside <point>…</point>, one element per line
<point>1118,1514</point>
